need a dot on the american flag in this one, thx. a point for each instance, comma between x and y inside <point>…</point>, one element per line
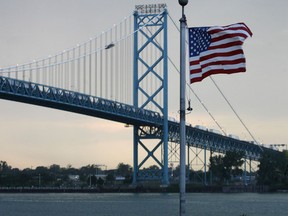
<point>216,50</point>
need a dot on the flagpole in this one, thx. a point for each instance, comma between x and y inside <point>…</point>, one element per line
<point>182,183</point>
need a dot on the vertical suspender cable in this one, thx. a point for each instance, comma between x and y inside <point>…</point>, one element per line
<point>130,60</point>
<point>106,67</point>
<point>63,82</point>
<point>37,72</point>
<point>16,71</point>
<point>23,72</point>
<point>84,68</point>
<point>116,65</point>
<point>49,70</point>
<point>59,72</point>
<point>78,68</point>
<point>90,66</point>
<point>96,69</point>
<point>125,65</point>
<point>30,72</point>
<point>73,70</point>
<point>121,64</point>
<point>56,72</point>
<point>112,68</point>
<point>44,71</point>
<point>101,65</point>
<point>62,71</point>
<point>67,71</point>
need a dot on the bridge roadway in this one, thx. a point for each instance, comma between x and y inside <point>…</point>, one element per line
<point>47,96</point>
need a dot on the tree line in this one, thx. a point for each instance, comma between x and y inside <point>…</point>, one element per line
<point>56,176</point>
<point>272,171</point>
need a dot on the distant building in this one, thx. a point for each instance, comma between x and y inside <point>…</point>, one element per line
<point>102,176</point>
<point>73,177</point>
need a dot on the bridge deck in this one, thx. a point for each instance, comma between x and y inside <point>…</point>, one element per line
<point>47,96</point>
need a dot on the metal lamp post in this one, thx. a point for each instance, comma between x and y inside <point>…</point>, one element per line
<point>182,183</point>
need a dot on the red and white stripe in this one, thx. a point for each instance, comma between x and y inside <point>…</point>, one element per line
<point>224,55</point>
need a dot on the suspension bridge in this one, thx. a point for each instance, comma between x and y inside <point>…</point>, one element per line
<point>121,75</point>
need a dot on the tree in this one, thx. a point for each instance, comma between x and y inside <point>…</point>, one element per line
<point>153,167</point>
<point>217,168</point>
<point>42,176</point>
<point>55,169</point>
<point>56,174</point>
<point>110,178</point>
<point>100,182</point>
<point>92,180</point>
<point>4,166</point>
<point>232,162</point>
<point>272,168</point>
<point>27,177</point>
<point>225,167</point>
<point>176,172</point>
<point>124,169</point>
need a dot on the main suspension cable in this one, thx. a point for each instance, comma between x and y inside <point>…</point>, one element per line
<point>234,111</point>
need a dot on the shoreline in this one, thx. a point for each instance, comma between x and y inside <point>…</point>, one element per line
<point>142,189</point>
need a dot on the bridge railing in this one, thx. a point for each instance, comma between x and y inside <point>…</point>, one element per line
<point>38,94</point>
<point>205,139</point>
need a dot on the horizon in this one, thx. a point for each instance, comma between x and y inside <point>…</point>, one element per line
<point>33,135</point>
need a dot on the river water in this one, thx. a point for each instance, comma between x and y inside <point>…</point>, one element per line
<point>144,204</point>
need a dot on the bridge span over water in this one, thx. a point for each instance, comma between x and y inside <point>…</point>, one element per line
<point>120,75</point>
<point>47,96</point>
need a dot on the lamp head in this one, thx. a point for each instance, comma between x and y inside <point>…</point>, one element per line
<point>189,109</point>
<point>183,2</point>
<point>189,106</point>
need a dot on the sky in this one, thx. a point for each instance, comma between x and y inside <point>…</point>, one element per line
<point>33,136</point>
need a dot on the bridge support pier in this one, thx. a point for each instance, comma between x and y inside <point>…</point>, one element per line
<point>198,162</point>
<point>245,173</point>
<point>205,167</point>
<point>150,88</point>
<point>135,155</point>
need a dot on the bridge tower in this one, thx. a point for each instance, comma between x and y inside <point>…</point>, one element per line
<point>150,89</point>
